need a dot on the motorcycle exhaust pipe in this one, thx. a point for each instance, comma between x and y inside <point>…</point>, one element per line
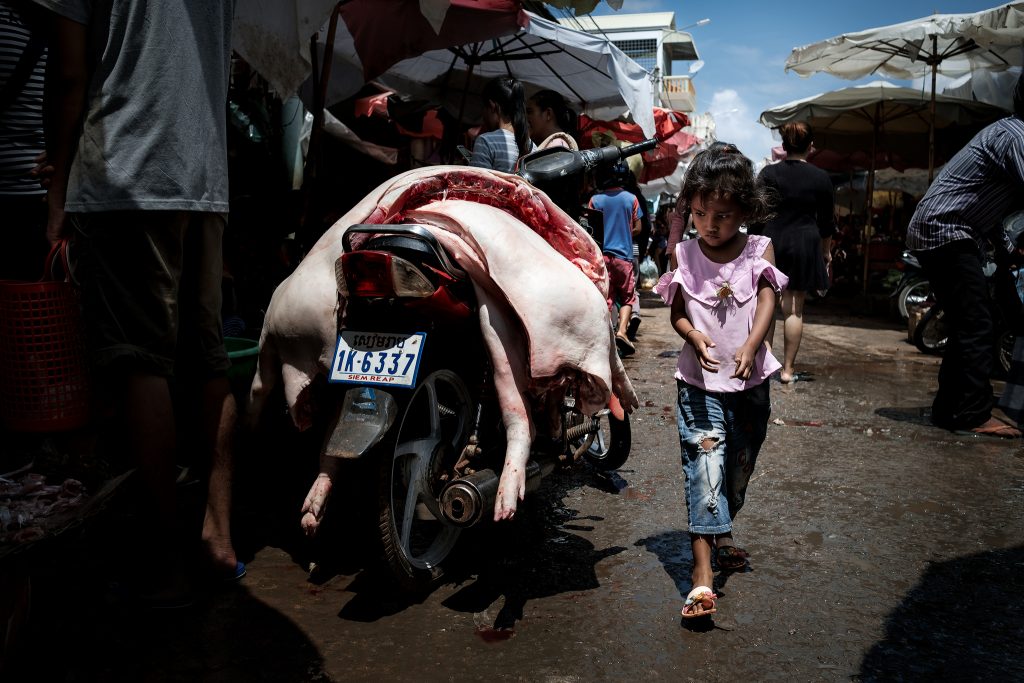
<point>464,502</point>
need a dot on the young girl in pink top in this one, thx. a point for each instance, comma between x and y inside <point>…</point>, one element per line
<point>722,294</point>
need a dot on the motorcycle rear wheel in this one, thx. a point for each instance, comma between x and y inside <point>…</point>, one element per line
<point>914,293</point>
<point>434,427</point>
<point>1005,341</point>
<point>610,447</point>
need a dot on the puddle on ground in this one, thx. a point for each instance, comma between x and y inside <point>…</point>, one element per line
<point>815,538</point>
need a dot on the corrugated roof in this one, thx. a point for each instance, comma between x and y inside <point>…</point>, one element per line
<point>623,22</point>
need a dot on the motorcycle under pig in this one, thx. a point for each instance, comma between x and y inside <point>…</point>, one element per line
<point>419,391</point>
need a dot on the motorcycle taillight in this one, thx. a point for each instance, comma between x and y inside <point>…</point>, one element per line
<point>378,274</point>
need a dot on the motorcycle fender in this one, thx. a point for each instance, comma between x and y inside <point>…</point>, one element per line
<point>365,416</point>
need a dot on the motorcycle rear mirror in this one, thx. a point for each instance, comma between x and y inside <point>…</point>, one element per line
<point>549,164</point>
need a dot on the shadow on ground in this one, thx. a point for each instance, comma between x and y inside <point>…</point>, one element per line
<point>963,621</point>
<point>912,415</point>
<point>534,558</point>
<point>82,627</point>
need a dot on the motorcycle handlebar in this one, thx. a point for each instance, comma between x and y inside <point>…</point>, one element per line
<point>648,144</point>
<point>606,155</point>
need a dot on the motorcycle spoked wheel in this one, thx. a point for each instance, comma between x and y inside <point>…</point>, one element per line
<point>930,334</point>
<point>915,293</point>
<point>434,427</point>
<point>610,448</point>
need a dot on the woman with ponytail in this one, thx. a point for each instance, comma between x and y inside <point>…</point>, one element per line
<point>506,134</point>
<point>552,122</point>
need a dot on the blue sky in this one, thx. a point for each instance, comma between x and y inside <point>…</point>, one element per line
<point>746,44</point>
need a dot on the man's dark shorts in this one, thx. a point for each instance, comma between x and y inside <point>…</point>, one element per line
<point>151,285</point>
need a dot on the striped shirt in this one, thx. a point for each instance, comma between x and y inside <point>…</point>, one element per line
<point>496,150</point>
<point>21,123</point>
<point>979,186</point>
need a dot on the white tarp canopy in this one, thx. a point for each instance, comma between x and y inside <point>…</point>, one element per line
<point>274,38</point>
<point>593,75</point>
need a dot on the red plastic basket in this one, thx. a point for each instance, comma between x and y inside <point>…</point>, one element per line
<point>44,377</point>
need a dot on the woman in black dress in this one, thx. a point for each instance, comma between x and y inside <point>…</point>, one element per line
<point>801,232</point>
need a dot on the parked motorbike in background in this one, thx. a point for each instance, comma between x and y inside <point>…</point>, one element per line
<point>418,389</point>
<point>1006,289</point>
<point>913,289</point>
<point>930,335</point>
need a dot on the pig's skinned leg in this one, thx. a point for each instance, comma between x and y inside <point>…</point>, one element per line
<point>622,388</point>
<point>511,378</point>
<point>316,500</point>
<point>268,374</point>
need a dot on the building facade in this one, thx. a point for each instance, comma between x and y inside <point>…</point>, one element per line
<point>650,39</point>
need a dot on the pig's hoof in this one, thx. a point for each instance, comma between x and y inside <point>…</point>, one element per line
<point>505,505</point>
<point>310,523</point>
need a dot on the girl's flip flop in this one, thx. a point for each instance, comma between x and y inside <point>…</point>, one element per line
<point>700,602</point>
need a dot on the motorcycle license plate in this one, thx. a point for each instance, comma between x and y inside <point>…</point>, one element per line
<point>377,358</point>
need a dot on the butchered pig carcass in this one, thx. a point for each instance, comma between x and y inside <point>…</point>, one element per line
<point>541,289</point>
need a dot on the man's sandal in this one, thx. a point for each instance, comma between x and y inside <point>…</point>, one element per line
<point>700,602</point>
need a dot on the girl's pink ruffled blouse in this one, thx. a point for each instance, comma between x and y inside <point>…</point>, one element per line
<point>720,300</point>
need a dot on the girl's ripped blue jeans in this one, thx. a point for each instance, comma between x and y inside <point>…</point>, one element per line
<point>720,435</point>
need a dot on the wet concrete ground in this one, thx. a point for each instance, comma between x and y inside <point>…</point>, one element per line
<point>882,549</point>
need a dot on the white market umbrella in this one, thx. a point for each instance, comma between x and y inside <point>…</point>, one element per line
<point>588,70</point>
<point>951,44</point>
<point>894,118</point>
<point>841,120</point>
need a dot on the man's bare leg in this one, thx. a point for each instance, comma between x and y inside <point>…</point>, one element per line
<point>625,312</point>
<point>220,415</point>
<point>151,440</point>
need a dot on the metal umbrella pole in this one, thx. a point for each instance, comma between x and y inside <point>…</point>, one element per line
<point>870,189</point>
<point>931,110</point>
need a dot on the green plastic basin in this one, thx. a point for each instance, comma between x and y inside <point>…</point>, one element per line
<point>243,353</point>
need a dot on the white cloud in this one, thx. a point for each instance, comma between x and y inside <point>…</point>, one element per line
<point>736,123</point>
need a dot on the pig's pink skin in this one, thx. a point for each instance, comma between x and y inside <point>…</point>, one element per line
<point>545,326</point>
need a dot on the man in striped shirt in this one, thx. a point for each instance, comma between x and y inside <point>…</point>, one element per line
<point>963,208</point>
<point>22,71</point>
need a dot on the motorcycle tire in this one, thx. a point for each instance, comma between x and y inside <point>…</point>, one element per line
<point>914,293</point>
<point>610,448</point>
<point>1005,341</point>
<point>930,333</point>
<point>431,432</point>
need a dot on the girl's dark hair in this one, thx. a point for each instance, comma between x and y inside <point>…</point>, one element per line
<point>724,172</point>
<point>796,137</point>
<point>510,97</point>
<point>566,118</point>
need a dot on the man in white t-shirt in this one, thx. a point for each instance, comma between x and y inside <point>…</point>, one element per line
<point>139,149</point>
